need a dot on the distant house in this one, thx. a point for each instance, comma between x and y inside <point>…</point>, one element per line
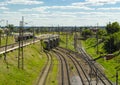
<point>94,30</point>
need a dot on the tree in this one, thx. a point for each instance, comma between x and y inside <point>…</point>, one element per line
<point>86,33</point>
<point>112,28</point>
<point>101,33</point>
<point>117,40</point>
<point>112,43</point>
<point>109,44</point>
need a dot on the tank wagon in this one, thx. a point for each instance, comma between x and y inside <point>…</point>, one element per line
<point>51,41</point>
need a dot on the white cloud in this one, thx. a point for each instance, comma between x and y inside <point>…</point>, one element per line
<point>110,8</point>
<point>24,2</point>
<point>9,12</point>
<point>4,8</point>
<point>44,16</point>
<point>61,18</point>
<point>95,2</point>
<point>71,7</point>
<point>44,8</point>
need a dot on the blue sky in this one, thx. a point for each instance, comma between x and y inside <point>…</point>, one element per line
<point>59,12</point>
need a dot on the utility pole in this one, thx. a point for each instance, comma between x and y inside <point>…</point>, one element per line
<point>19,36</point>
<point>66,39</point>
<point>22,41</point>
<point>20,49</point>
<point>33,35</point>
<point>116,77</point>
<point>53,28</point>
<point>96,76</point>
<point>58,30</point>
<point>75,40</point>
<point>6,43</point>
<point>117,69</point>
<point>97,36</point>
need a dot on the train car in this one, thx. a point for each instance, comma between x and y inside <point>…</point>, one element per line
<point>56,37</point>
<point>46,44</point>
<point>51,43</point>
<point>25,36</point>
<point>54,42</point>
<point>57,41</point>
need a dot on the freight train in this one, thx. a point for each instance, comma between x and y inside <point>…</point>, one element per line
<point>25,36</point>
<point>50,42</point>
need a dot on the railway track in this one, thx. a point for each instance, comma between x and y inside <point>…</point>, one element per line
<point>65,76</point>
<point>99,77</point>
<point>95,68</point>
<point>15,46</point>
<point>45,71</point>
<point>85,80</point>
<point>61,81</point>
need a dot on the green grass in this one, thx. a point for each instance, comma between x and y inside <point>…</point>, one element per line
<point>109,65</point>
<point>10,40</point>
<point>70,41</point>
<point>34,61</point>
<point>53,78</point>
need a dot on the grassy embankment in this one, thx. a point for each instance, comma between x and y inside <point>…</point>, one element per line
<point>109,65</point>
<point>34,61</point>
<point>20,77</point>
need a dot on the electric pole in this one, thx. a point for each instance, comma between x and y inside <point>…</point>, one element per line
<point>75,39</point>
<point>6,31</point>
<point>97,37</point>
<point>22,42</point>
<point>20,49</point>
<point>33,35</point>
<point>66,39</point>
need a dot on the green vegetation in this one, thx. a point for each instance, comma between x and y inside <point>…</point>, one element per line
<point>34,61</point>
<point>109,65</point>
<point>10,40</point>
<point>108,41</point>
<point>113,27</point>
<point>70,40</point>
<point>53,76</point>
<point>112,40</point>
<point>86,33</point>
